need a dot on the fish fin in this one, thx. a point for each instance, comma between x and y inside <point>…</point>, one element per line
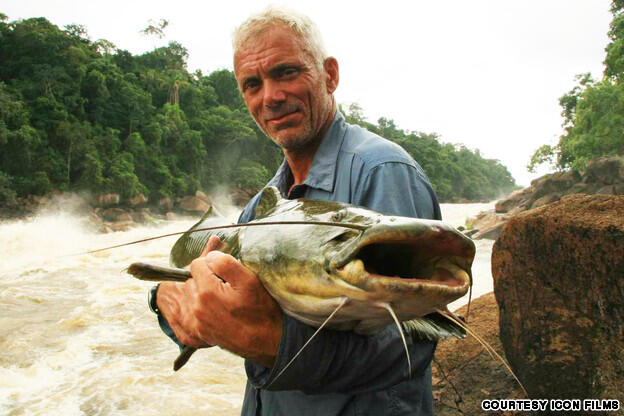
<point>185,354</point>
<point>486,346</point>
<point>269,197</point>
<point>398,324</point>
<point>208,214</point>
<point>342,303</point>
<point>433,327</point>
<point>150,272</point>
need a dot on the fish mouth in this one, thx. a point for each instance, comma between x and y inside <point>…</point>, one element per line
<point>410,263</point>
<point>437,258</point>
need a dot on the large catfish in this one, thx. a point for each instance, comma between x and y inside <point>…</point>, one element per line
<point>363,268</point>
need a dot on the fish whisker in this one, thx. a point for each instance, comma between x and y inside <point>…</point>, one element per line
<point>342,303</point>
<point>387,306</point>
<point>490,350</point>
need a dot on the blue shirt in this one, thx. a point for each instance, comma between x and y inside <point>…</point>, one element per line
<point>340,372</point>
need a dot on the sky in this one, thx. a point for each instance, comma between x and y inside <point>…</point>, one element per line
<point>484,73</point>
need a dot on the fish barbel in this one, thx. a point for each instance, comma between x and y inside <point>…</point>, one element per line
<point>364,268</point>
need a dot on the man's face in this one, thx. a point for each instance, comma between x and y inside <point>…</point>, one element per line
<point>285,92</point>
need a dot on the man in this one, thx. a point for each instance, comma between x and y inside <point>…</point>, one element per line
<point>287,82</point>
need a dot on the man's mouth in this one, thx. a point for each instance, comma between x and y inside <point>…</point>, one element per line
<point>283,117</point>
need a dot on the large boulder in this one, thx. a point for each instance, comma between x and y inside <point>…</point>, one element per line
<point>487,225</point>
<point>115,214</point>
<point>516,201</point>
<point>559,282</point>
<point>165,204</point>
<point>194,204</point>
<point>605,170</point>
<point>138,200</point>
<point>103,200</point>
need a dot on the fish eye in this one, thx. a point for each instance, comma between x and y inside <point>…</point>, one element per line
<point>337,216</point>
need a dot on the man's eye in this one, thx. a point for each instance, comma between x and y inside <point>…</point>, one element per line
<point>286,72</point>
<point>251,85</point>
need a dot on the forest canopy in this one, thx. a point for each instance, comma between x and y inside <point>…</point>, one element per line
<point>593,111</point>
<point>83,115</point>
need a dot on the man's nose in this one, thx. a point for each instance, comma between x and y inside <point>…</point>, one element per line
<point>274,95</point>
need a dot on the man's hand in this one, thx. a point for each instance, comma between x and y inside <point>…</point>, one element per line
<point>223,304</point>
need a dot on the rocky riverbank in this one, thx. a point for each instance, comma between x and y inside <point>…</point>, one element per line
<point>109,212</point>
<point>464,374</point>
<point>603,176</point>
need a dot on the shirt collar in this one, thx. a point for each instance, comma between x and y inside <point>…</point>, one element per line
<point>323,170</point>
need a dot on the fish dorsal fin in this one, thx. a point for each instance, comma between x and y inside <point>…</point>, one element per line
<point>269,197</point>
<point>209,213</point>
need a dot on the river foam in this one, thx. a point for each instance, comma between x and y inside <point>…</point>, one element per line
<point>77,337</point>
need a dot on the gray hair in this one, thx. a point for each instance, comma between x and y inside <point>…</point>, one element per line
<point>301,25</point>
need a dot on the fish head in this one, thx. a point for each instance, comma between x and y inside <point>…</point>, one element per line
<point>414,265</point>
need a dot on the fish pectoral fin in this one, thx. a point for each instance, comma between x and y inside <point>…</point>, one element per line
<point>185,354</point>
<point>432,327</point>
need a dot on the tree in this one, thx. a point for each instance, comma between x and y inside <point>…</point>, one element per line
<point>156,29</point>
<point>593,112</point>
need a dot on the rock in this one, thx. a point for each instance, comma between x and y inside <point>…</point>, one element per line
<point>606,170</point>
<point>559,282</point>
<point>140,199</point>
<point>488,225</point>
<point>143,216</point>
<point>115,214</point>
<point>165,203</point>
<point>464,374</point>
<point>106,200</point>
<point>170,216</point>
<point>240,196</point>
<point>581,188</point>
<point>545,200</point>
<point>516,199</point>
<point>555,183</point>
<point>193,204</point>
<point>122,225</point>
<point>199,194</point>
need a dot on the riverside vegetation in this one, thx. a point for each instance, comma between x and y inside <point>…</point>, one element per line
<point>81,115</point>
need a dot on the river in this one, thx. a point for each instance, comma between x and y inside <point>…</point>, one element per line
<point>76,337</point>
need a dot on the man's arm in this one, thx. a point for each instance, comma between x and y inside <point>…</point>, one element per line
<point>339,361</point>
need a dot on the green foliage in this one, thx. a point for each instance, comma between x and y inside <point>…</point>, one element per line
<point>593,112</point>
<point>544,154</point>
<point>7,194</point>
<point>454,171</point>
<point>251,175</point>
<point>77,114</point>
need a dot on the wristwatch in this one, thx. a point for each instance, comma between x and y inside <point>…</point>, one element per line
<point>151,299</point>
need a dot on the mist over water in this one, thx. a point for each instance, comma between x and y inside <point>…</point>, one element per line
<point>77,337</point>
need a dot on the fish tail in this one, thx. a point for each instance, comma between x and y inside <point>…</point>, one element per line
<point>150,272</point>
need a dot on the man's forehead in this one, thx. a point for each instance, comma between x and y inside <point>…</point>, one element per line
<point>272,46</point>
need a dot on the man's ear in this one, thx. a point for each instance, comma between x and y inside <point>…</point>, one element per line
<point>331,71</point>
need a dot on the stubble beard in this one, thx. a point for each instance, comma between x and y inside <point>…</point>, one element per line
<point>296,142</point>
